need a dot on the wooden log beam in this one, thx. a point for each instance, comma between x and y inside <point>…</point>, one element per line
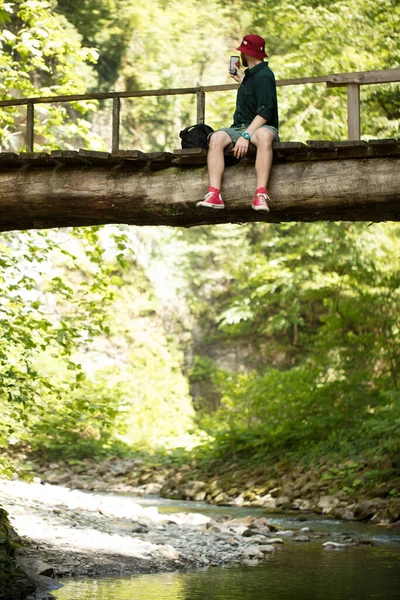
<point>78,194</point>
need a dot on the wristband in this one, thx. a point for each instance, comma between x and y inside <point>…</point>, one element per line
<point>246,136</point>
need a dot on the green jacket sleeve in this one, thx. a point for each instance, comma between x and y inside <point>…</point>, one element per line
<point>265,91</point>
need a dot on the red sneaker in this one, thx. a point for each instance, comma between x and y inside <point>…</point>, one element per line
<point>212,199</point>
<point>260,200</point>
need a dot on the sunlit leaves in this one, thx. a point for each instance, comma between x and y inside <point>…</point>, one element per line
<point>312,307</point>
<point>41,55</point>
<point>45,315</point>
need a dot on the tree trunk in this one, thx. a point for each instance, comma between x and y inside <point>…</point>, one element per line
<point>356,189</point>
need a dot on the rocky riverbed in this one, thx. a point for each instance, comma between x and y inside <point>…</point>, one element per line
<point>68,532</point>
<point>318,490</point>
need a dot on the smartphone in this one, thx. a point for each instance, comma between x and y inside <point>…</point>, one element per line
<point>233,64</point>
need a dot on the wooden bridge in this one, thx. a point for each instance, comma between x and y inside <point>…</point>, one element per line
<point>351,180</point>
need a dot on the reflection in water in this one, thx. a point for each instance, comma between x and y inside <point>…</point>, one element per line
<point>293,573</point>
<point>144,587</point>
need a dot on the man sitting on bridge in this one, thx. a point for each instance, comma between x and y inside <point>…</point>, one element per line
<point>255,119</point>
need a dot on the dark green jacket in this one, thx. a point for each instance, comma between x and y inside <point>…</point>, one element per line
<point>257,96</point>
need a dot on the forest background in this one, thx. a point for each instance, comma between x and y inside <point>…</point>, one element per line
<point>255,344</point>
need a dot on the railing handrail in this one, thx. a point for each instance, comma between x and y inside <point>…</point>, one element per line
<point>350,80</point>
<point>333,80</point>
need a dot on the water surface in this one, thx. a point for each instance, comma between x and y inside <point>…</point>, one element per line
<point>297,571</point>
<point>293,573</point>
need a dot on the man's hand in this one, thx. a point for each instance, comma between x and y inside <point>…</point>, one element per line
<point>239,75</point>
<point>241,148</point>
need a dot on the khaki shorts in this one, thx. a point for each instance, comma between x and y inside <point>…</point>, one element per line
<point>234,132</point>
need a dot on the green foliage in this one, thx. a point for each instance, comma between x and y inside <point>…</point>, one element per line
<point>92,342</point>
<point>81,423</point>
<point>292,411</point>
<point>41,55</point>
<point>47,48</point>
<point>173,44</point>
<point>202,369</point>
<point>63,392</point>
<point>307,38</point>
<point>149,386</point>
<point>319,305</point>
<point>105,25</point>
<point>54,300</point>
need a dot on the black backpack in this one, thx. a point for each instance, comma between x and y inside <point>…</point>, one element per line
<point>195,136</point>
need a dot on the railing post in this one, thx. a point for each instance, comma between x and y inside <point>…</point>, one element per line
<point>353,111</point>
<point>115,123</point>
<point>30,116</point>
<point>201,106</point>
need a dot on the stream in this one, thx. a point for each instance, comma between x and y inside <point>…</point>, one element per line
<point>305,571</point>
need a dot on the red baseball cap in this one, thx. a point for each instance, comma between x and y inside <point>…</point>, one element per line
<point>253,45</point>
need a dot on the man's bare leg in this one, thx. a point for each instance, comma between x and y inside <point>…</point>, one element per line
<point>263,140</point>
<point>215,158</point>
<point>216,164</point>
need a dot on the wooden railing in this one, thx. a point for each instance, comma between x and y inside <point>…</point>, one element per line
<point>352,81</point>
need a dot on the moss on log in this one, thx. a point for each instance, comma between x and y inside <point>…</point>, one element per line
<point>14,583</point>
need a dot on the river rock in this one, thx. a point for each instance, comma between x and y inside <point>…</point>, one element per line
<point>238,529</point>
<point>168,551</point>
<point>121,467</point>
<point>252,551</point>
<point>214,529</point>
<point>287,479</point>
<point>221,498</point>
<point>366,510</point>
<point>334,545</point>
<point>283,502</point>
<point>382,515</point>
<point>250,521</point>
<point>63,478</point>
<point>169,490</point>
<point>301,538</point>
<point>249,532</point>
<point>259,539</point>
<point>301,504</point>
<point>51,476</point>
<point>341,495</point>
<point>263,489</point>
<point>286,534</point>
<point>103,468</point>
<point>275,540</point>
<point>140,528</point>
<point>301,481</point>
<point>366,542</point>
<point>191,519</point>
<point>288,490</point>
<point>232,541</point>
<point>266,501</point>
<point>35,566</point>
<point>394,510</point>
<point>345,514</point>
<point>307,488</point>
<point>192,488</point>
<point>267,549</point>
<point>327,503</point>
<point>250,562</point>
<point>238,501</point>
